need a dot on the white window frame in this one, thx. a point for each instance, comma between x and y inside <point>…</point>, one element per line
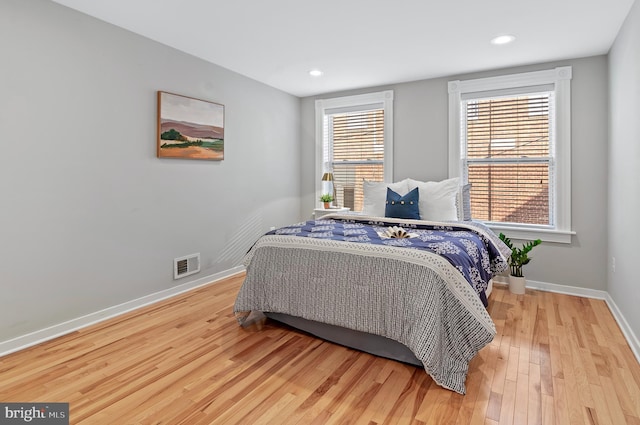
<point>377,100</point>
<point>560,78</point>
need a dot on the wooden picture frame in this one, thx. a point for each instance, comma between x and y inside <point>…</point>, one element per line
<point>189,128</point>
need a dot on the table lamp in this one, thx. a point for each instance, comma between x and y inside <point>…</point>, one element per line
<point>328,177</point>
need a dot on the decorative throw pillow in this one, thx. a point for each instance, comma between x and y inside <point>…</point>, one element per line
<point>375,195</point>
<point>438,199</point>
<point>402,206</point>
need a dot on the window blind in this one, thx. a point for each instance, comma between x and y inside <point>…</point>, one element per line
<point>509,158</point>
<point>354,150</point>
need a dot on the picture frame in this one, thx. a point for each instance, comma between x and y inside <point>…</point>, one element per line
<point>189,128</point>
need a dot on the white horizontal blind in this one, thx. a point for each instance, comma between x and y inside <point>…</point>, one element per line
<point>508,158</point>
<point>354,150</point>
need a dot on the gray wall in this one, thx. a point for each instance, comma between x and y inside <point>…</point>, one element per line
<point>86,209</point>
<point>89,217</point>
<point>624,166</point>
<point>421,152</point>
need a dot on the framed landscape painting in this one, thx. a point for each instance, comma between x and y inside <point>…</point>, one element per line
<point>189,128</point>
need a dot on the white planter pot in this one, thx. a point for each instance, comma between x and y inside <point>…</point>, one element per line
<point>517,285</point>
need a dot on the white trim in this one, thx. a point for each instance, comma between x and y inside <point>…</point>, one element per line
<point>559,289</point>
<point>568,290</point>
<point>51,332</point>
<point>502,82</point>
<point>561,79</point>
<point>628,333</point>
<point>454,129</point>
<point>383,99</point>
<point>522,233</point>
<point>563,148</point>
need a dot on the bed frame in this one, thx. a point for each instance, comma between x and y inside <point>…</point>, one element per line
<point>362,341</point>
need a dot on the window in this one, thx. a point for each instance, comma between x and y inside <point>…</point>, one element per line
<point>508,159</point>
<point>510,138</point>
<point>354,142</point>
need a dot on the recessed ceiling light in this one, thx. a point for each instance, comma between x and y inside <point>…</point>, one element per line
<point>315,73</point>
<point>503,39</point>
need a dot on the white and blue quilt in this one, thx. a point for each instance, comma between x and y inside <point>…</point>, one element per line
<point>467,246</point>
<point>424,291</point>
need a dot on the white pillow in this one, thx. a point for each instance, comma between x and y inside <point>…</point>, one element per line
<point>375,195</point>
<point>437,201</point>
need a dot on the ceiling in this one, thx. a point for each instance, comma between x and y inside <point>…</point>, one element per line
<point>364,43</point>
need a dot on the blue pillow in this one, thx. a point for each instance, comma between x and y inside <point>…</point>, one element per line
<point>402,206</point>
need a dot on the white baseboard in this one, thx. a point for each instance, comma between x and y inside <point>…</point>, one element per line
<point>42,335</point>
<point>628,333</point>
<point>568,290</point>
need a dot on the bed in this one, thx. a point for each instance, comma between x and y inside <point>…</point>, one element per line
<point>352,280</point>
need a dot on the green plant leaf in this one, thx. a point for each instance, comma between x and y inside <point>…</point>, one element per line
<point>519,256</point>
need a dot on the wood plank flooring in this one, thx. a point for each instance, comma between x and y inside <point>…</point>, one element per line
<point>556,359</point>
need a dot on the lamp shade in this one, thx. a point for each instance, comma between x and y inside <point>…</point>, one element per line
<point>327,177</point>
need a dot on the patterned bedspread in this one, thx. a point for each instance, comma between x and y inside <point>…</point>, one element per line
<point>421,291</point>
<point>467,247</point>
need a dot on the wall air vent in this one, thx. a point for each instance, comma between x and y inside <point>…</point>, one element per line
<point>184,266</point>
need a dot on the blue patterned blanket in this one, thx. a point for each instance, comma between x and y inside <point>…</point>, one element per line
<point>467,246</point>
<point>420,291</point>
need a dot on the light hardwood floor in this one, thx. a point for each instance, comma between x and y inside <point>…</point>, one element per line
<point>556,359</point>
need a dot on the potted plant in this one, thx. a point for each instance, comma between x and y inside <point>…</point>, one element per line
<point>326,198</point>
<point>519,257</point>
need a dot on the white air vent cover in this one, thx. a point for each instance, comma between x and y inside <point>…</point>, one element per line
<point>184,266</point>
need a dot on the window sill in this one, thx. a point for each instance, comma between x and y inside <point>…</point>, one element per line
<point>546,235</point>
